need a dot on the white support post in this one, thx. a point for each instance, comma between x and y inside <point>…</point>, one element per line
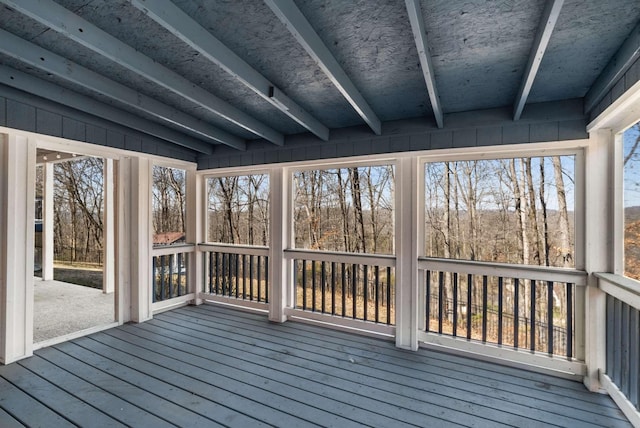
<point>141,242</point>
<point>407,254</point>
<point>47,222</point>
<point>17,230</point>
<point>280,275</point>
<point>195,231</point>
<point>108,256</point>
<point>598,252</point>
<point>123,236</point>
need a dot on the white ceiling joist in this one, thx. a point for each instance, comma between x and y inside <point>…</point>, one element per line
<point>189,31</point>
<point>304,33</point>
<point>545,29</point>
<point>45,60</point>
<point>88,35</point>
<point>420,35</point>
<point>621,61</point>
<point>51,91</point>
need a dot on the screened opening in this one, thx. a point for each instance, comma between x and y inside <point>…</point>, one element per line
<point>631,198</point>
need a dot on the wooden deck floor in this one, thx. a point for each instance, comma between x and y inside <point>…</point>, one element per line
<point>212,366</point>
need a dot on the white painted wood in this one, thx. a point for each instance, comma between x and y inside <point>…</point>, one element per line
<point>123,244</point>
<point>542,363</point>
<point>301,29</point>
<point>621,61</point>
<point>622,288</point>
<point>47,222</point>
<point>280,278</point>
<point>141,239</point>
<point>189,31</point>
<point>344,324</point>
<point>420,35</point>
<point>195,232</point>
<point>253,250</point>
<point>88,35</point>
<point>621,114</point>
<point>74,335</point>
<point>541,273</point>
<point>407,244</point>
<point>619,398</point>
<point>53,92</point>
<point>167,250</point>
<point>173,303</point>
<point>598,250</point>
<point>339,257</point>
<point>108,229</point>
<point>232,301</point>
<point>618,204</point>
<point>50,62</point>
<point>17,219</point>
<point>545,29</point>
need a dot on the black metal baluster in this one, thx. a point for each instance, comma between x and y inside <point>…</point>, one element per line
<point>313,285</point>
<point>484,308</point>
<point>550,317</point>
<point>237,272</point>
<point>333,288</point>
<point>469,290</point>
<point>244,276</point>
<point>365,283</point>
<point>354,277</point>
<point>532,321</point>
<point>377,289</point>
<point>163,277</point>
<point>440,300</point>
<point>304,284</point>
<point>500,297</point>
<point>251,277</point>
<point>217,272</point>
<point>323,286</point>
<point>266,279</point>
<point>427,302</point>
<point>388,294</point>
<point>259,268</point>
<point>154,282</point>
<point>455,304</point>
<point>516,312</point>
<point>171,259</point>
<point>180,259</point>
<point>569,320</point>
<point>344,289</point>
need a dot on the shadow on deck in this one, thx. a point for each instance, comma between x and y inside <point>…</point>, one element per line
<point>213,366</point>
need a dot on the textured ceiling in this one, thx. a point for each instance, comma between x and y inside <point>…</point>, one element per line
<point>479,50</point>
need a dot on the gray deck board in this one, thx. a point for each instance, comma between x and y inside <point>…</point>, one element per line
<point>214,366</point>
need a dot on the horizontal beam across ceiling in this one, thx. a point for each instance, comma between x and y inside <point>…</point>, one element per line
<point>420,35</point>
<point>88,35</point>
<point>301,29</point>
<point>545,29</point>
<point>189,31</point>
<point>45,60</point>
<point>50,91</point>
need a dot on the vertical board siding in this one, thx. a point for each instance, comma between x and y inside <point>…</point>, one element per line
<point>21,116</point>
<point>626,81</point>
<point>48,123</point>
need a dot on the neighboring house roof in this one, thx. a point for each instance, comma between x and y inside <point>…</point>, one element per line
<point>167,238</point>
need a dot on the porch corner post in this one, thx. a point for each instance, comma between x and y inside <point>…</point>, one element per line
<point>141,239</point>
<point>108,256</point>
<point>407,254</point>
<point>17,230</point>
<point>196,231</point>
<point>599,194</point>
<point>280,282</point>
<point>47,222</point>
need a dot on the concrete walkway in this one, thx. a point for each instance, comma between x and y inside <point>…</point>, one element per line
<point>62,308</point>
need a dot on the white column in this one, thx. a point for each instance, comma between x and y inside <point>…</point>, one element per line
<point>599,194</point>
<point>17,229</point>
<point>108,231</point>
<point>47,222</point>
<point>141,241</point>
<point>195,233</point>
<point>407,241</point>
<point>280,273</point>
<point>123,244</point>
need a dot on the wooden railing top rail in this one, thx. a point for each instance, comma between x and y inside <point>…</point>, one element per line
<point>252,250</point>
<point>624,289</point>
<point>339,257</point>
<point>164,250</point>
<point>538,273</point>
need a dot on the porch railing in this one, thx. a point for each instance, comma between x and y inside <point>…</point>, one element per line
<point>622,372</point>
<point>169,271</point>
<point>519,307</point>
<point>237,272</point>
<point>355,286</point>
